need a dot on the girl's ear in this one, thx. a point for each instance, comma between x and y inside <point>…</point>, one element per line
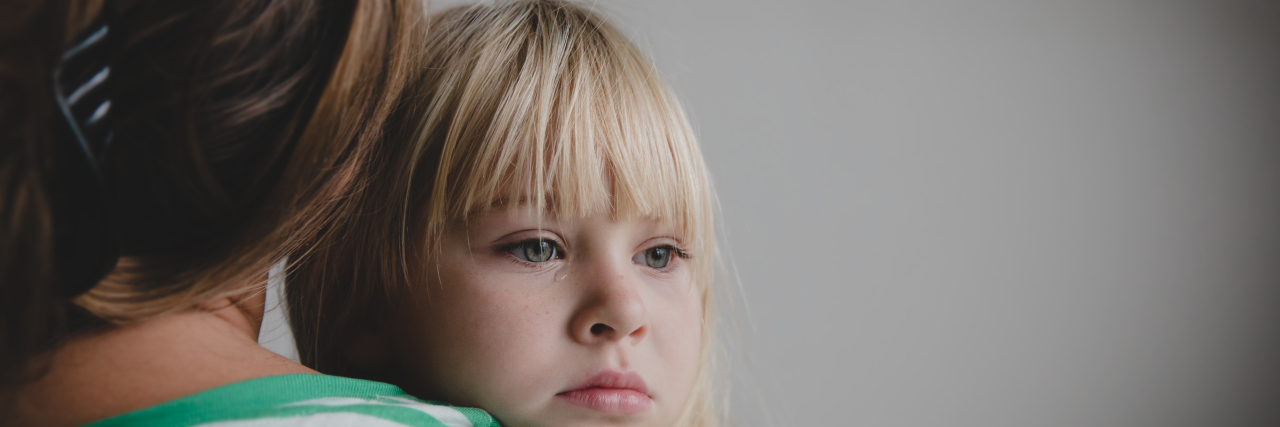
<point>368,348</point>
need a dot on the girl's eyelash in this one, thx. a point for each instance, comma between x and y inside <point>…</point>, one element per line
<point>676,250</point>
<point>673,252</point>
<point>516,244</point>
<point>508,250</point>
<point>521,262</point>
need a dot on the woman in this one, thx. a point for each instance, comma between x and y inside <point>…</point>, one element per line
<point>237,124</point>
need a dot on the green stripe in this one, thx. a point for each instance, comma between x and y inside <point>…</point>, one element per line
<point>264,397</point>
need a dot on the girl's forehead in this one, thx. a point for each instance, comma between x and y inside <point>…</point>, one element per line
<point>522,211</point>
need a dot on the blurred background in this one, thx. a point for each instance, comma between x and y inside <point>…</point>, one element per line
<point>989,212</point>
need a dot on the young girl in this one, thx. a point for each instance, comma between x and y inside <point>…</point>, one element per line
<point>534,238</point>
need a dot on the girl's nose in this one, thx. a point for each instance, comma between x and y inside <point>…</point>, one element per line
<point>612,310</point>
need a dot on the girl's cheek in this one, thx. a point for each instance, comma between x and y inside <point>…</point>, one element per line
<point>509,353</point>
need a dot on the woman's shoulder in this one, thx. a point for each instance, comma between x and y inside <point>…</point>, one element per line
<point>302,400</point>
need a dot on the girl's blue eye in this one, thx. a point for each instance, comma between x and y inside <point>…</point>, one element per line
<point>535,250</point>
<point>657,256</point>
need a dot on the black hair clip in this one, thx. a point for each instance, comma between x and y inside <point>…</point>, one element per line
<point>85,245</point>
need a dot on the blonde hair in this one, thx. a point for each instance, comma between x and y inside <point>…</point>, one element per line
<point>538,101</point>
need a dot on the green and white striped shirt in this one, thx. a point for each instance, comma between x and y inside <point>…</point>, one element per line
<point>300,400</point>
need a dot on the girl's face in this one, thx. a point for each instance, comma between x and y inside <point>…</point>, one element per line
<point>558,322</point>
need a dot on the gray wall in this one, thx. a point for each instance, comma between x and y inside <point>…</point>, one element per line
<point>992,213</point>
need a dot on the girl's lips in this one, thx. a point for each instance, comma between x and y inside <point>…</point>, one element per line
<point>609,400</point>
<point>622,393</point>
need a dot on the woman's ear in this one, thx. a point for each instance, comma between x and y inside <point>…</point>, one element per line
<point>368,348</point>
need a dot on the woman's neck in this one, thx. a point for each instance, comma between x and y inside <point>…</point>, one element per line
<point>126,368</point>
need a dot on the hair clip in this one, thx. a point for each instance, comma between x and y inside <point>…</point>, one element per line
<point>84,244</point>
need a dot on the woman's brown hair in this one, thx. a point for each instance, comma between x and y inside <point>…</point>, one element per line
<point>238,124</point>
<point>30,311</point>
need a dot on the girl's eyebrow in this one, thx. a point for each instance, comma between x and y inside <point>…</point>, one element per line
<point>502,205</point>
<point>506,203</point>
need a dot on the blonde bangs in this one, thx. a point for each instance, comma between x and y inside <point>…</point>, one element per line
<point>559,111</point>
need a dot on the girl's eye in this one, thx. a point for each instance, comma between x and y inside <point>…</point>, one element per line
<point>535,250</point>
<point>657,256</point>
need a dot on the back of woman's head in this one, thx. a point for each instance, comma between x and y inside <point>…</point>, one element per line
<point>236,124</point>
<point>210,99</point>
